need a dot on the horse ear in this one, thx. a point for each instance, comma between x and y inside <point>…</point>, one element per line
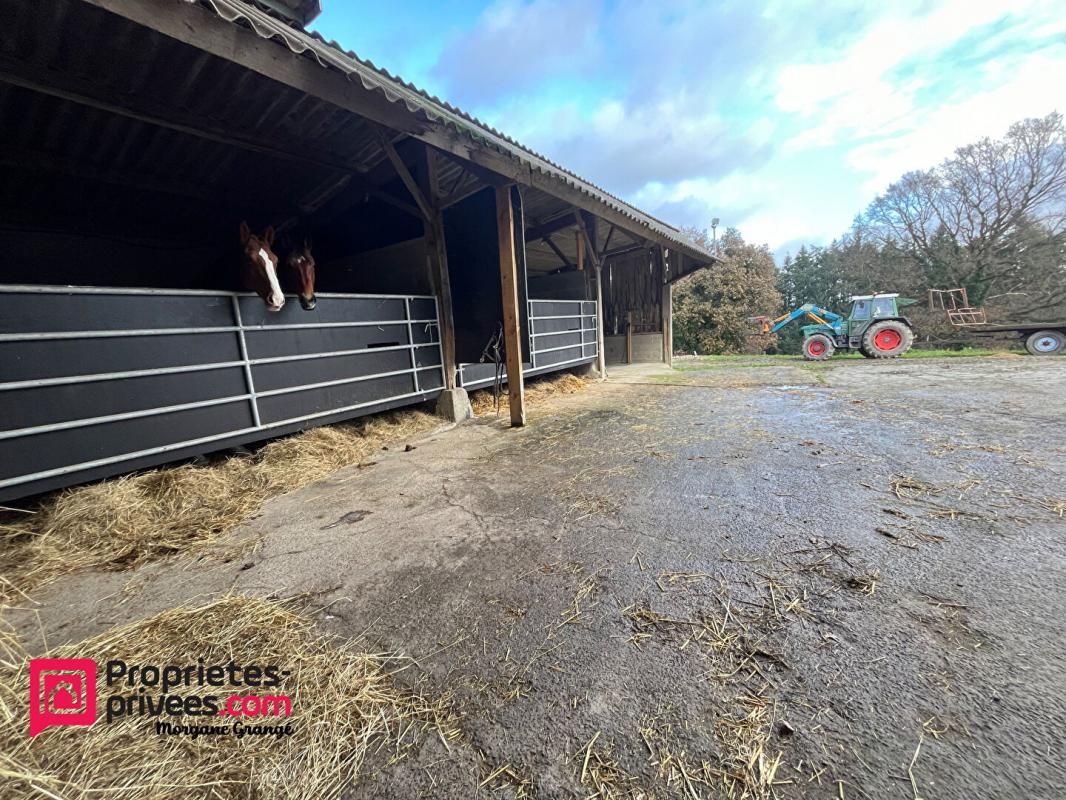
<point>246,232</point>
<point>268,236</point>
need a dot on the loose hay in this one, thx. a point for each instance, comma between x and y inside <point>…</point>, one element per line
<point>908,488</point>
<point>346,706</point>
<point>750,770</point>
<point>536,391</point>
<point>181,509</point>
<point>1054,505</point>
<point>600,771</point>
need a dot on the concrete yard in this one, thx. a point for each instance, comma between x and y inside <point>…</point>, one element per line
<point>664,582</point>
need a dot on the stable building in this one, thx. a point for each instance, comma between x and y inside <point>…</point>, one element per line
<point>139,134</point>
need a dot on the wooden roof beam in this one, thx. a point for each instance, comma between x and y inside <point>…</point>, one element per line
<point>540,230</point>
<point>555,249</point>
<point>203,29</point>
<point>425,206</point>
<point>79,92</point>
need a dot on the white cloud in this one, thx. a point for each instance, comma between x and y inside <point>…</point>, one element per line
<point>937,132</point>
<point>915,86</point>
<point>783,118</point>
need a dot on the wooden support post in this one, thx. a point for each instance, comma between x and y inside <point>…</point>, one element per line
<point>442,287</point>
<point>512,334</point>
<point>437,256</point>
<point>668,317</point>
<point>586,230</point>
<point>601,360</point>
<point>629,337</point>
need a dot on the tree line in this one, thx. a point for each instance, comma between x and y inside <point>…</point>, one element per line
<point>991,219</point>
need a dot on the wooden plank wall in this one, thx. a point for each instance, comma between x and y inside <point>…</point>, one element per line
<point>633,288</point>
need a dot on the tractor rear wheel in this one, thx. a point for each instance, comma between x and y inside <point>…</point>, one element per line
<point>888,339</point>
<point>865,353</point>
<point>1046,343</point>
<point>818,347</point>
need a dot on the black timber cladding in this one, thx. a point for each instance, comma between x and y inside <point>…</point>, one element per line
<point>99,382</point>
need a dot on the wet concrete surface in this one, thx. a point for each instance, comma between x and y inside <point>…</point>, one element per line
<point>827,565</point>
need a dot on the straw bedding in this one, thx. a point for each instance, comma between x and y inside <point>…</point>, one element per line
<point>536,391</point>
<point>346,705</point>
<point>123,522</point>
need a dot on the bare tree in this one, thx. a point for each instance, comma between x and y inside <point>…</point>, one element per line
<point>991,218</point>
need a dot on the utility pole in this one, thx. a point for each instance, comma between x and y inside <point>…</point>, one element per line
<point>714,234</point>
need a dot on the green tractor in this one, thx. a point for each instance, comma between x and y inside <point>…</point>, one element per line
<point>874,327</point>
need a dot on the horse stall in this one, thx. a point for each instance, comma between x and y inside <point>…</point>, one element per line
<point>98,381</point>
<point>634,322</point>
<point>128,337</point>
<point>173,173</point>
<point>557,306</point>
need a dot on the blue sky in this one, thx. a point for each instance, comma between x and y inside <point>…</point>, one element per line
<point>782,117</point>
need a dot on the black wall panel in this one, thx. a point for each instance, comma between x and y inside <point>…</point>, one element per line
<point>282,407</point>
<point>47,451</point>
<point>271,344</point>
<point>318,370</point>
<point>36,359</point>
<point>58,312</point>
<point>23,408</point>
<point>50,434</point>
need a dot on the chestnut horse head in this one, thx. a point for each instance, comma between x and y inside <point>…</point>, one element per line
<point>259,266</point>
<point>300,261</point>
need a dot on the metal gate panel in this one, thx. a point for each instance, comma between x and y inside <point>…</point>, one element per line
<point>562,333</point>
<point>99,381</point>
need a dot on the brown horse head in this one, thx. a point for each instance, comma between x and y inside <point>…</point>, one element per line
<point>302,263</point>
<point>259,266</point>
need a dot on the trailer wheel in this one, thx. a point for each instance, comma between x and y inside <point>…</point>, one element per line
<point>817,347</point>
<point>888,339</point>
<point>1046,343</point>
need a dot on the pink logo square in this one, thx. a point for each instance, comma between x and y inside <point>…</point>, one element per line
<point>62,692</point>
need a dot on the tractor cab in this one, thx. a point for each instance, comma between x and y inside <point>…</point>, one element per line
<point>868,307</point>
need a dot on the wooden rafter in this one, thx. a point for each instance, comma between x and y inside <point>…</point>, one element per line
<point>555,249</point>
<point>201,28</point>
<point>607,242</point>
<point>80,92</point>
<point>409,182</point>
<point>542,229</point>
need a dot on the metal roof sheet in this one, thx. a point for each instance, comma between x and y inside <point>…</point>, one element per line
<point>330,55</point>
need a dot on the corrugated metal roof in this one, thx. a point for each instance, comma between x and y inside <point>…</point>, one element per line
<point>331,55</point>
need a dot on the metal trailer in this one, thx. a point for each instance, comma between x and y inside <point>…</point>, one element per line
<point>1040,338</point>
<point>100,381</point>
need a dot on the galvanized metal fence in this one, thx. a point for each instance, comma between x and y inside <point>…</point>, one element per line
<point>98,381</point>
<point>562,333</point>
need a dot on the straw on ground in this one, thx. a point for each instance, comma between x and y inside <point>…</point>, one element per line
<point>183,509</point>
<point>347,705</point>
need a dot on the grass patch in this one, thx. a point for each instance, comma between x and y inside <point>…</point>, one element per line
<point>762,361</point>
